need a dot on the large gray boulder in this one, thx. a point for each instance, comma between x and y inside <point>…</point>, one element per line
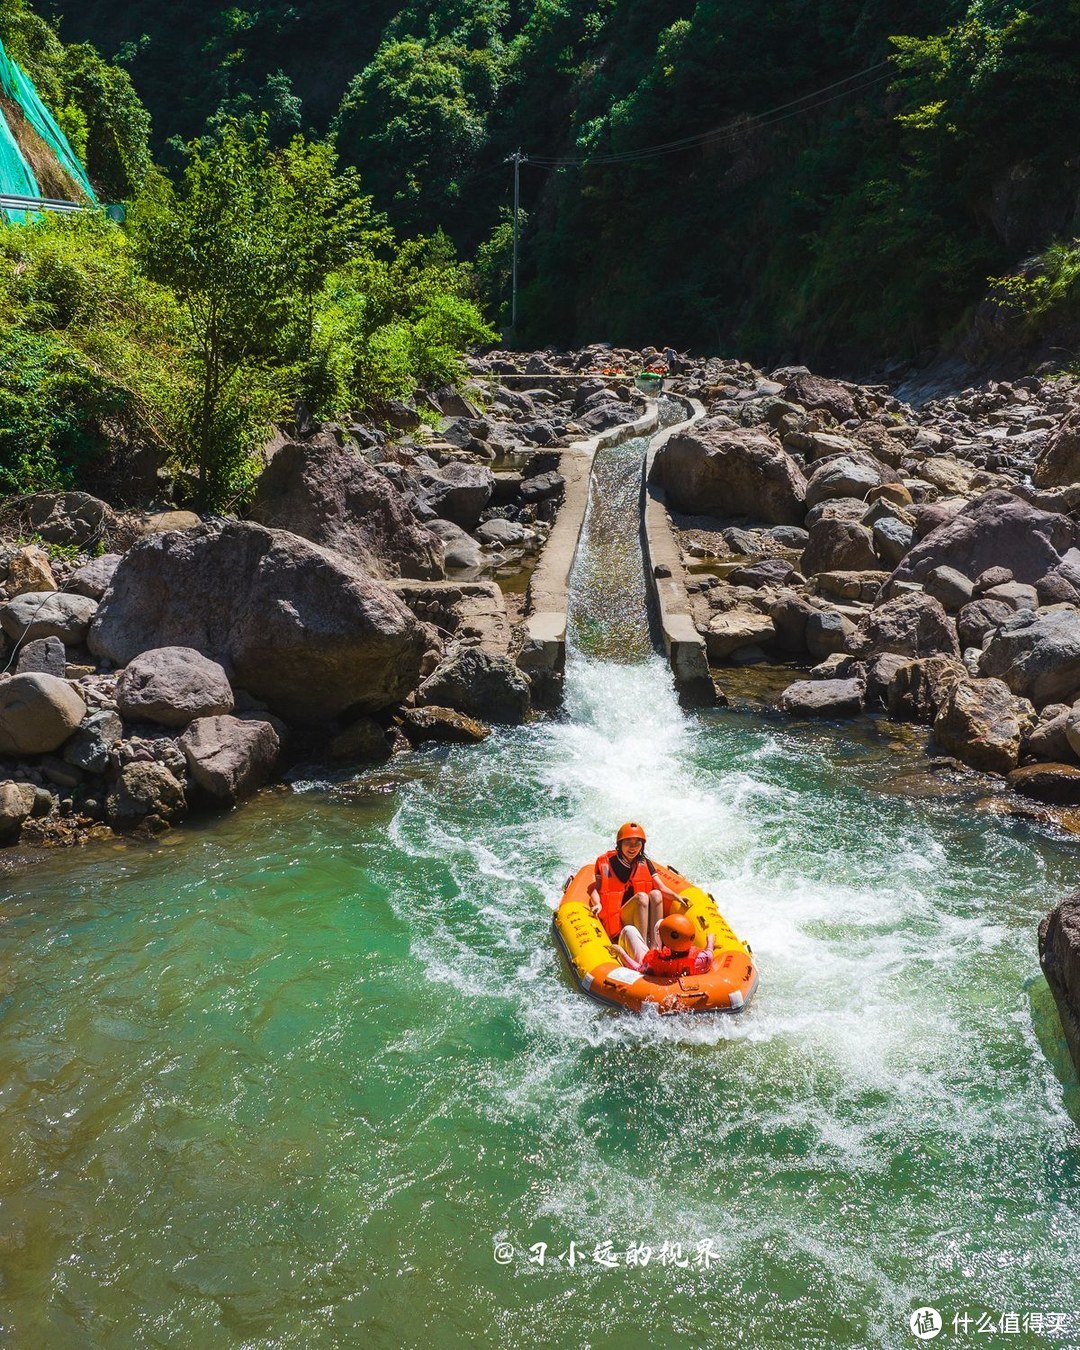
<point>458,492</point>
<point>480,683</point>
<point>92,579</point>
<point>912,625</point>
<point>823,698</point>
<point>1037,654</point>
<point>997,529</point>
<point>328,494</point>
<point>719,470</point>
<point>37,714</point>
<point>69,518</point>
<point>304,629</point>
<point>846,476</point>
<point>42,614</point>
<point>813,391</point>
<point>838,546</point>
<point>982,723</point>
<point>1059,956</point>
<point>230,757</point>
<point>172,686</point>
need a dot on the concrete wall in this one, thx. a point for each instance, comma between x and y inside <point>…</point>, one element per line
<point>544,655</point>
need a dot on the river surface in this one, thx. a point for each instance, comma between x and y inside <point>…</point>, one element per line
<point>312,1075</point>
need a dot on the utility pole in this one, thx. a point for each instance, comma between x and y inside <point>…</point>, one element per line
<point>517,159</point>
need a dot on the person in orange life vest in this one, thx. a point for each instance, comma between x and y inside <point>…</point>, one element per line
<point>626,888</point>
<point>676,955</point>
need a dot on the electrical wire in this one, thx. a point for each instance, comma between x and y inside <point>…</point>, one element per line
<point>719,134</point>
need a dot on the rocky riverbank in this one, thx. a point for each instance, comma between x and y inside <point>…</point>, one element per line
<point>154,663</point>
<point>921,561</point>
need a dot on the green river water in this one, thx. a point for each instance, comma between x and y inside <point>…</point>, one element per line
<point>312,1075</point>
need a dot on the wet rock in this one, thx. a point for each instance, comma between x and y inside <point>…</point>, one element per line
<point>838,546</point>
<point>1037,653</point>
<point>1059,956</point>
<point>822,698</point>
<point>16,806</point>
<point>37,714</point>
<point>330,495</point>
<point>1058,784</point>
<point>479,683</point>
<point>996,530</point>
<point>719,470</point>
<point>982,723</point>
<point>506,534</point>
<point>301,628</point>
<point>89,748</point>
<point>146,794</point>
<point>364,741</point>
<point>172,686</point>
<point>42,614</point>
<point>442,725</point>
<point>231,757</point>
<point>43,656</point>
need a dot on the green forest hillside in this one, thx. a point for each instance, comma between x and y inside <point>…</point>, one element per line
<point>872,164</point>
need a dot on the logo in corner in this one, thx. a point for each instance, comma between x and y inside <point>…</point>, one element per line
<point>925,1323</point>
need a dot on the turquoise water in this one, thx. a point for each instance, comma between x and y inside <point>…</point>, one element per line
<point>312,1075</point>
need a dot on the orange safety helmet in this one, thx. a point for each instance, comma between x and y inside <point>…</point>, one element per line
<point>677,933</point>
<point>630,831</point>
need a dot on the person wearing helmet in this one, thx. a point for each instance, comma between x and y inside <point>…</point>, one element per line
<point>626,888</point>
<point>677,955</point>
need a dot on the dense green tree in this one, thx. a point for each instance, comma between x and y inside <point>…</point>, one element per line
<point>413,120</point>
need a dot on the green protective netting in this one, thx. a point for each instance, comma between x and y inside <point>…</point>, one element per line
<point>16,176</point>
<point>17,85</point>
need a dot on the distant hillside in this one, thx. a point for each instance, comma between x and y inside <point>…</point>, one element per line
<point>859,190</point>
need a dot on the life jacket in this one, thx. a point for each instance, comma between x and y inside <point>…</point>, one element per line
<point>615,890</point>
<point>663,961</point>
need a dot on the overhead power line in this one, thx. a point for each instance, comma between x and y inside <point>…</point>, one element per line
<point>852,84</point>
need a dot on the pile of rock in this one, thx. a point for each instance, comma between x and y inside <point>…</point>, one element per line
<point>353,609</point>
<point>927,560</point>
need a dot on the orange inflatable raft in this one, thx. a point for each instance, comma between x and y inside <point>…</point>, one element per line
<point>727,987</point>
